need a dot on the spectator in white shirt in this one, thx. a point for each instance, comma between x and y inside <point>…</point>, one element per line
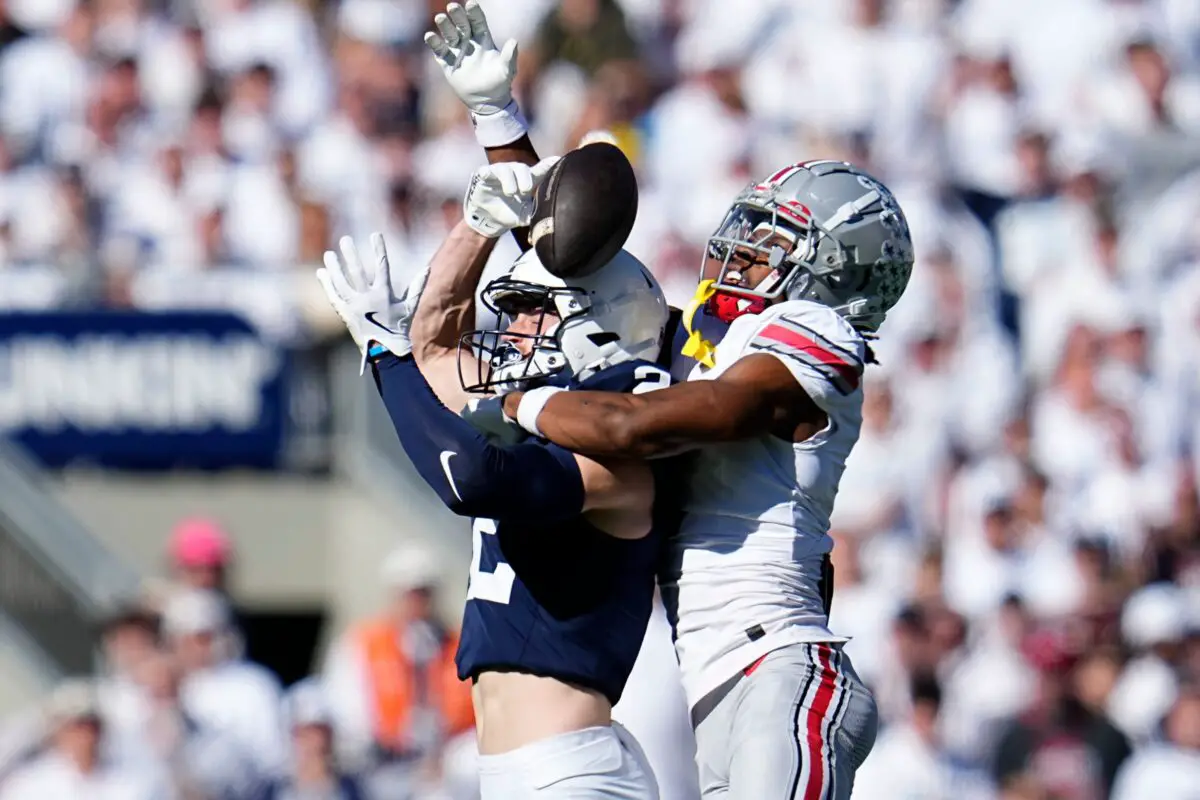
<point>201,761</point>
<point>45,79</point>
<point>864,609</point>
<point>1154,623</point>
<point>1146,95</point>
<point>908,761</point>
<point>983,567</point>
<point>312,774</point>
<point>129,639</point>
<point>1170,769</point>
<point>75,766</point>
<point>971,720</point>
<point>1070,420</point>
<point>219,689</point>
<point>983,124</point>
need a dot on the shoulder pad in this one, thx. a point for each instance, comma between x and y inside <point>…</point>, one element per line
<point>814,335</point>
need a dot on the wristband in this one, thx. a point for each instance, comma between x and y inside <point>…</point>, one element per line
<point>531,405</point>
<point>371,355</point>
<point>503,127</point>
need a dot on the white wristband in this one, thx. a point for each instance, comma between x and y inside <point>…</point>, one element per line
<point>501,128</point>
<point>531,405</point>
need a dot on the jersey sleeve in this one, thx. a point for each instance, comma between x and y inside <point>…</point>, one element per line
<point>823,353</point>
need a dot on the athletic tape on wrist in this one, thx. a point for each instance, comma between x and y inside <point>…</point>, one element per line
<point>501,128</point>
<point>486,229</point>
<point>531,405</point>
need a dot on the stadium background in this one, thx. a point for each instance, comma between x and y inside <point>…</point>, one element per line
<point>1018,533</point>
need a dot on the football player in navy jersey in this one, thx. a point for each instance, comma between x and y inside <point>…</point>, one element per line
<point>565,548</point>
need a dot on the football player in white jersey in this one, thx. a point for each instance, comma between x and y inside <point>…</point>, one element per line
<point>796,279</point>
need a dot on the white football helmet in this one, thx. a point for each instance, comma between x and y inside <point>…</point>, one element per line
<point>616,314</point>
<point>829,232</point>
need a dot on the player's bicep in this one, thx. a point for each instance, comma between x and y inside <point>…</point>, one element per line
<point>741,403</point>
<point>761,395</point>
<point>441,373</point>
<point>618,496</point>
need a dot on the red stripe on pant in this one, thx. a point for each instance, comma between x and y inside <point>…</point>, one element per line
<point>750,669</point>
<point>816,718</point>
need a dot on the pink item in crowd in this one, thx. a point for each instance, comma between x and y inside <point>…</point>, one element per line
<point>199,542</point>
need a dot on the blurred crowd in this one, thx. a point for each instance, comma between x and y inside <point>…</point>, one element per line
<point>178,712</point>
<point>1018,530</point>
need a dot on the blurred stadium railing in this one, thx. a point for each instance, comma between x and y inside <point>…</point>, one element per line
<point>57,581</point>
<point>370,453</point>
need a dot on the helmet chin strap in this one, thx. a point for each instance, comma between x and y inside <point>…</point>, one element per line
<point>724,304</point>
<point>696,346</point>
<point>727,305</point>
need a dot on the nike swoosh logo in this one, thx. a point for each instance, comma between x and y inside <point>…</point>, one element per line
<point>445,458</point>
<point>370,317</point>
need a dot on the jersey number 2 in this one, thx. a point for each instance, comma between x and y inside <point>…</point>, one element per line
<point>647,379</point>
<point>495,586</point>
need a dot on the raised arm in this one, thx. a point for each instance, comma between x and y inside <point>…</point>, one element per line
<point>447,309</point>
<point>757,395</point>
<point>481,75</point>
<point>499,198</point>
<point>799,366</point>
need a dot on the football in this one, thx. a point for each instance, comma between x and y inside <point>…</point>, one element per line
<point>584,210</point>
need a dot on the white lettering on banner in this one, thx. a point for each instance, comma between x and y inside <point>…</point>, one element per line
<point>169,382</point>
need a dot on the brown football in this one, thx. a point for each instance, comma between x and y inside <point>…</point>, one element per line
<point>584,210</point>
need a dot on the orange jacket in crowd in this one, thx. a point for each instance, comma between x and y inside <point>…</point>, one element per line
<point>390,676</point>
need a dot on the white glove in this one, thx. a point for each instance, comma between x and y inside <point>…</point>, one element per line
<point>500,196</point>
<point>365,301</point>
<point>478,73</point>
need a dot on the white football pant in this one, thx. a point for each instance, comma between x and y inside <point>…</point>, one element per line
<point>796,725</point>
<point>604,762</point>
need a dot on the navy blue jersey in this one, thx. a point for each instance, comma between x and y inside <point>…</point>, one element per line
<point>672,357</point>
<point>566,601</point>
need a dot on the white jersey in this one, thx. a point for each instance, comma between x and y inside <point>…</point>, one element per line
<point>742,575</point>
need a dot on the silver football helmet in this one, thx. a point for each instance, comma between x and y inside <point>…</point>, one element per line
<point>616,314</point>
<point>824,231</point>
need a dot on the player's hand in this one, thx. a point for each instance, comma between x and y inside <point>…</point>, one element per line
<point>479,74</point>
<point>487,415</point>
<point>365,300</point>
<point>500,196</point>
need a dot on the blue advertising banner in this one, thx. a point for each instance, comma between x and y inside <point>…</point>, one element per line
<point>141,390</point>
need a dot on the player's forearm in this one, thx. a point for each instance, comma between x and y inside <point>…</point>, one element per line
<point>447,309</point>
<point>447,305</point>
<point>520,151</point>
<point>660,423</point>
<point>605,424</point>
<point>472,476</point>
